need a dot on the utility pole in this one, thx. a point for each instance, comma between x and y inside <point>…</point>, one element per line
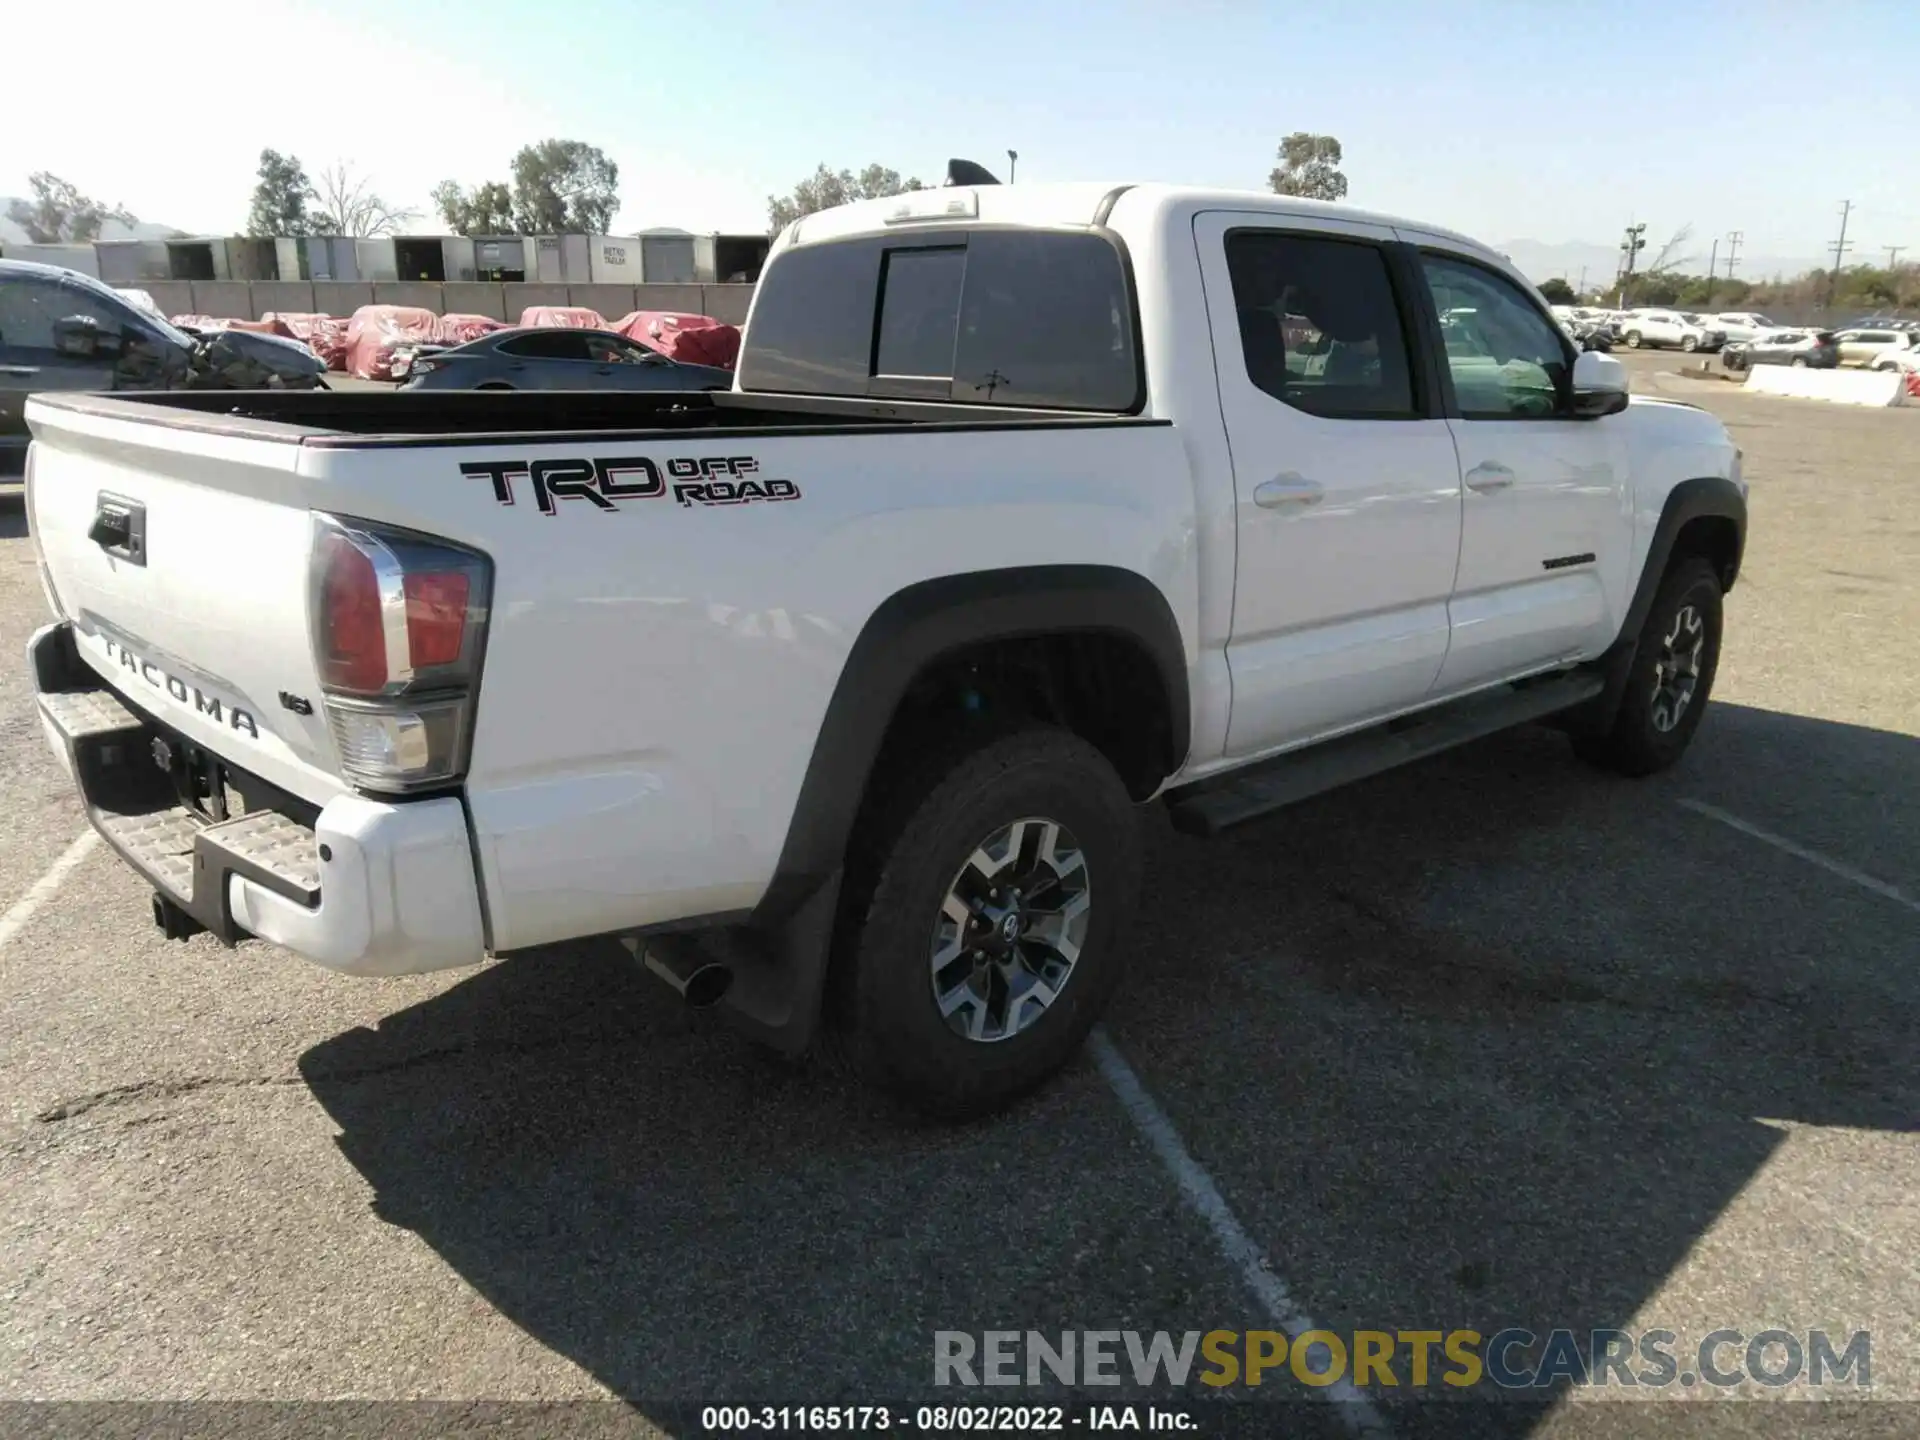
<point>1840,248</point>
<point>1630,247</point>
<point>1713,261</point>
<point>1013,159</point>
<point>1893,255</point>
<point>1734,237</point>
<point>1583,280</point>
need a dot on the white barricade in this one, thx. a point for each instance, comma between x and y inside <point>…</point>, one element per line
<point>1843,387</point>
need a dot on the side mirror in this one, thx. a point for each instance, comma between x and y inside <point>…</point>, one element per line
<point>78,336</point>
<point>1599,386</point>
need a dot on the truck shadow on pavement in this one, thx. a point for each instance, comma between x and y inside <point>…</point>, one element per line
<point>1493,1041</point>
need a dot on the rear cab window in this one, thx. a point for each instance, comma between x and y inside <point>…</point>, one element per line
<point>990,316</point>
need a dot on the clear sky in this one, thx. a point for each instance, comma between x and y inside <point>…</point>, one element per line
<point>1531,119</point>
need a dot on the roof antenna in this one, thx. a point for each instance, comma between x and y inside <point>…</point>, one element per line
<point>965,172</point>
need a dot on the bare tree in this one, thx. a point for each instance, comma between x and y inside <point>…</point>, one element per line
<point>1668,257</point>
<point>345,203</point>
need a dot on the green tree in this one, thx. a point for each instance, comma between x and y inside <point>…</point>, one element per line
<point>280,197</point>
<point>1310,167</point>
<point>486,209</point>
<point>564,187</point>
<point>60,214</point>
<point>1557,291</point>
<point>826,188</point>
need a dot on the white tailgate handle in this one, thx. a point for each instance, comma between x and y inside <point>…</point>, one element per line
<point>1489,475</point>
<point>1284,490</point>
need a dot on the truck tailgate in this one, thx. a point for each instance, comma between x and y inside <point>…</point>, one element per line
<point>183,558</point>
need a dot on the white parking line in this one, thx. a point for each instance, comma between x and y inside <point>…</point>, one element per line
<point>43,888</point>
<point>1812,857</point>
<point>1358,1412</point>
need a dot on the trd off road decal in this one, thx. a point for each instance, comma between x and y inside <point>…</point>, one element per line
<point>715,480</point>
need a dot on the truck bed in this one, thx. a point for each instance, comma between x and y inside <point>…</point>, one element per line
<point>337,419</point>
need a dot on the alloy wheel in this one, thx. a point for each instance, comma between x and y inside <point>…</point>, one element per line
<point>1676,671</point>
<point>1010,930</point>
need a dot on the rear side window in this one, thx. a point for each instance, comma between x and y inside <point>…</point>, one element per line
<point>985,317</point>
<point>1319,326</point>
<point>555,344</point>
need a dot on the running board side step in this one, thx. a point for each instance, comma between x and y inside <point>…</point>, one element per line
<point>1210,806</point>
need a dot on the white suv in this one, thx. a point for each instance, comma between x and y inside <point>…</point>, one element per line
<point>1868,348</point>
<point>1663,328</point>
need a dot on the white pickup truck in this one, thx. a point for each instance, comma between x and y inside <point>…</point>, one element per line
<point>833,696</point>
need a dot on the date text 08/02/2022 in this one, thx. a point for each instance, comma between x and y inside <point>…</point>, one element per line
<point>940,1419</point>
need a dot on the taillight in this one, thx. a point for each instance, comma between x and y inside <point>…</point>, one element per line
<point>399,623</point>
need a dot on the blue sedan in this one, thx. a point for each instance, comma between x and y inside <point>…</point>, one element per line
<point>557,359</point>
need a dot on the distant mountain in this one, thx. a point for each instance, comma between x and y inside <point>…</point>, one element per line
<point>12,234</point>
<point>1539,261</point>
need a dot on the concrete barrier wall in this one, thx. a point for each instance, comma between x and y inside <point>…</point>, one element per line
<point>686,298</point>
<point>518,295</point>
<point>1877,388</point>
<point>612,301</point>
<point>727,303</point>
<point>290,297</point>
<point>419,293</point>
<point>175,297</point>
<point>249,300</point>
<point>473,298</point>
<point>230,298</point>
<point>341,297</point>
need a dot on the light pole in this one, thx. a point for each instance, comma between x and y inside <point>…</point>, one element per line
<point>1013,159</point>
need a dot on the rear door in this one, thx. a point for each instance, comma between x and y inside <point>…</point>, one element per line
<point>1543,551</point>
<point>1346,483</point>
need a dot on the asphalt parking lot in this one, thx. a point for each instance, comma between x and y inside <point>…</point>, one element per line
<point>1493,1040</point>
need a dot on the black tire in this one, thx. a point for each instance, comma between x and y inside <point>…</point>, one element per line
<point>493,385</point>
<point>1638,744</point>
<point>1633,339</point>
<point>915,851</point>
<point>1799,362</point>
<point>1689,344</point>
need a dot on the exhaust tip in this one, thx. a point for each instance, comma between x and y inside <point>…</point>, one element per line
<point>707,985</point>
<point>698,981</point>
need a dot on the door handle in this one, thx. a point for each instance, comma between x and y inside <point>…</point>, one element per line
<point>1489,475</point>
<point>20,370</point>
<point>1284,490</point>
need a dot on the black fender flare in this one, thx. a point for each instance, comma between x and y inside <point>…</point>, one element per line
<point>911,630</point>
<point>1708,496</point>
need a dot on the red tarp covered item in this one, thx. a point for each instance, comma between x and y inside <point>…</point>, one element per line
<point>459,329</point>
<point>216,322</point>
<point>325,335</point>
<point>294,324</point>
<point>376,330</point>
<point>570,317</point>
<point>329,340</point>
<point>690,339</point>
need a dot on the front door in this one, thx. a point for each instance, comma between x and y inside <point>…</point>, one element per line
<point>1543,545</point>
<point>1346,484</point>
